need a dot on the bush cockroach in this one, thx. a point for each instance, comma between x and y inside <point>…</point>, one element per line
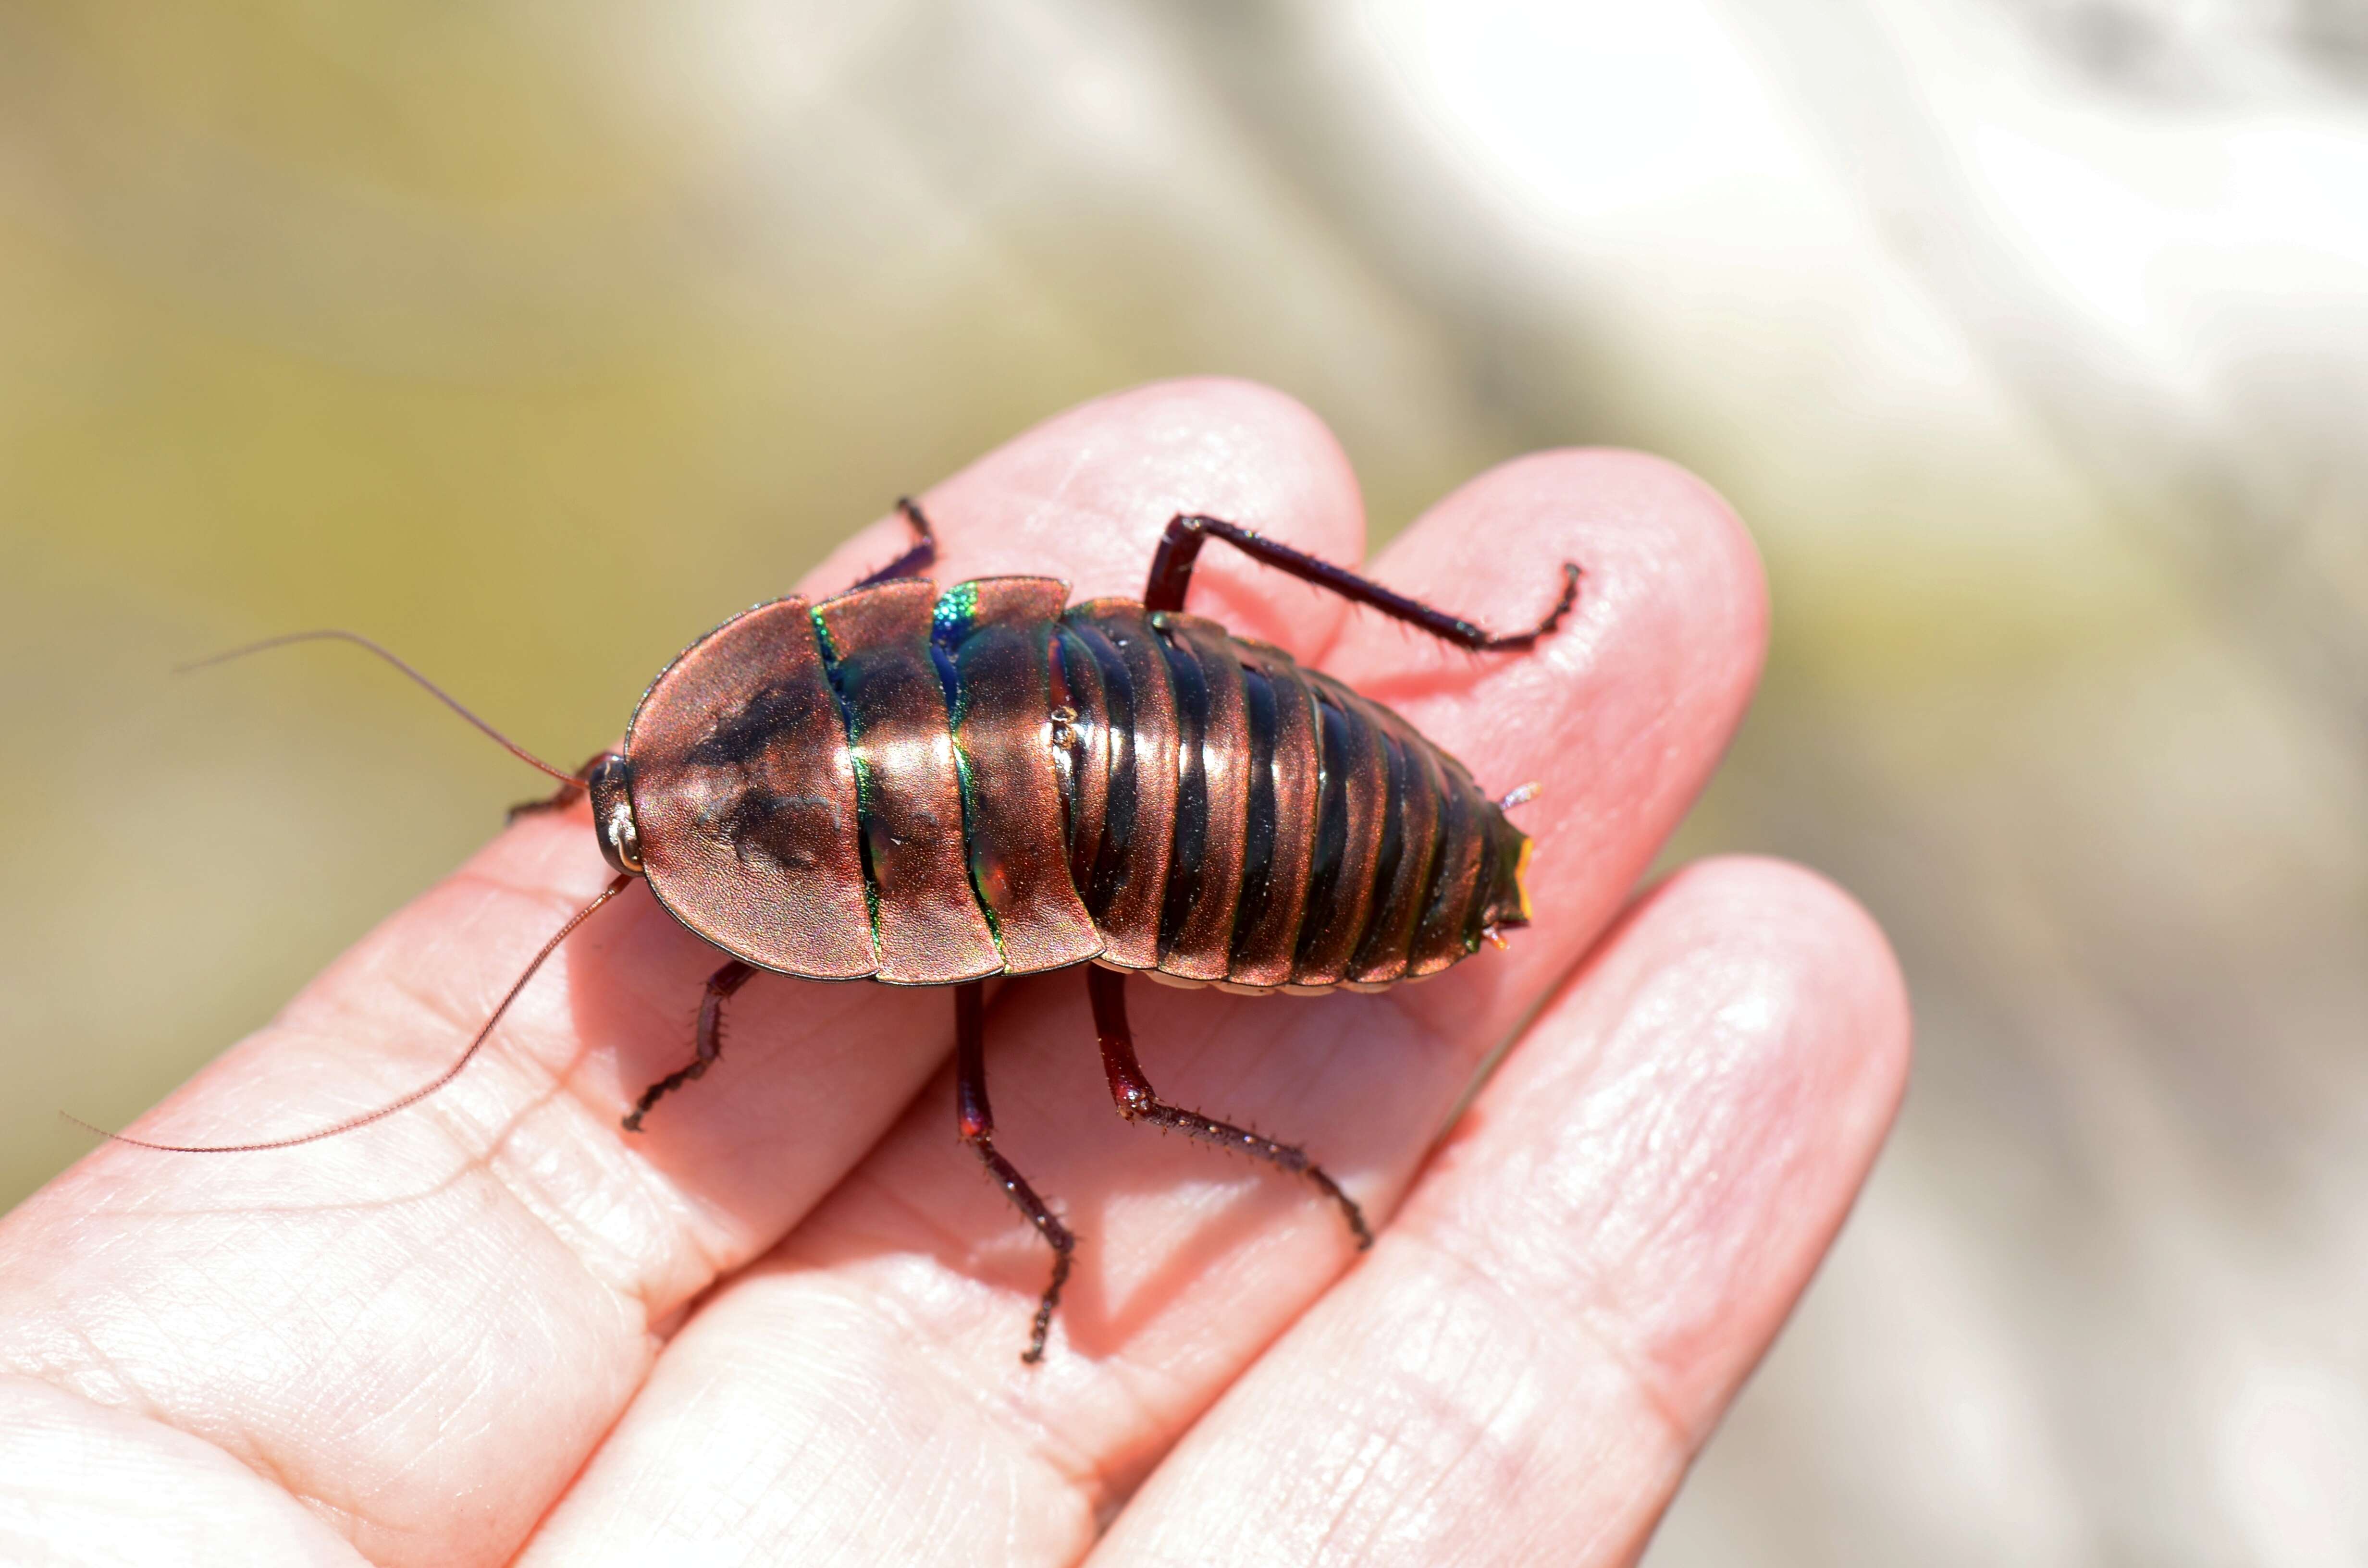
<point>934,788</point>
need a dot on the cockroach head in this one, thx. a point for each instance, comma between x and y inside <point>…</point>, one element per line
<point>612,813</point>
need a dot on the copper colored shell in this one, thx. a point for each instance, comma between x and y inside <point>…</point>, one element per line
<point>1409,849</point>
<point>744,797</point>
<point>1204,879</point>
<point>1000,629</point>
<point>928,789</point>
<point>929,925</point>
<point>1081,748</point>
<point>1284,790</point>
<point>1338,904</point>
<point>1447,930</point>
<point>1131,871</point>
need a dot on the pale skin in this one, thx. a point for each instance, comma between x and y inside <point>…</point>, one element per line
<point>784,1324</point>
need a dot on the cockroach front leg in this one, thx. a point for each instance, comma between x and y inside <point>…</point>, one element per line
<point>978,1132</point>
<point>720,986</point>
<point>1137,1101</point>
<point>566,795</point>
<point>916,560</point>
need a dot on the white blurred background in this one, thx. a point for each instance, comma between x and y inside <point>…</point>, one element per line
<point>2030,336</point>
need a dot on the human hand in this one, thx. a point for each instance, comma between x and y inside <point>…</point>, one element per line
<point>783,1323</point>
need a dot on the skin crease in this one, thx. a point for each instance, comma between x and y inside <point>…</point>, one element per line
<point>784,1324</point>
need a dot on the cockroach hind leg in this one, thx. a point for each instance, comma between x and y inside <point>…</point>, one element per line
<point>1131,1090</point>
<point>1179,548</point>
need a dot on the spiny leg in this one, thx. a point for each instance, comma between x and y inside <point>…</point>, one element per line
<point>1179,547</point>
<point>719,985</point>
<point>916,560</point>
<point>1137,1101</point>
<point>566,795</point>
<point>978,1132</point>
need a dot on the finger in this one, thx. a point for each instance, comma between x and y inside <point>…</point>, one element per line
<point>866,1378</point>
<point>92,1486</point>
<point>454,1304</point>
<point>1618,719</point>
<point>1588,1270</point>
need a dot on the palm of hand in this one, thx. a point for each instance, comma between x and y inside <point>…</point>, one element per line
<point>784,1324</point>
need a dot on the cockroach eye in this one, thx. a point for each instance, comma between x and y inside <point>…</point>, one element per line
<point>623,844</point>
<point>612,814</point>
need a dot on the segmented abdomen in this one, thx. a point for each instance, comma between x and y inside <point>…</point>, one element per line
<point>1235,818</point>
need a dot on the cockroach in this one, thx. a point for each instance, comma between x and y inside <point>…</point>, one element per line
<point>927,787</point>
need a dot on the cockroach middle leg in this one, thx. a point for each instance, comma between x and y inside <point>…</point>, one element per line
<point>720,987</point>
<point>1137,1101</point>
<point>978,1131</point>
<point>1179,547</point>
<point>916,560</point>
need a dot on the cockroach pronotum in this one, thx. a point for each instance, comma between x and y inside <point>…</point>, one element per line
<point>934,788</point>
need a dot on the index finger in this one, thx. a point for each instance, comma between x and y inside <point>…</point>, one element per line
<point>422,1329</point>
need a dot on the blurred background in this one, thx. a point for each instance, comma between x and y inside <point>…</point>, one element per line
<point>2030,336</point>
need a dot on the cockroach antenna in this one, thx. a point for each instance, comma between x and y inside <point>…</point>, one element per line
<point>337,634</point>
<point>416,1095</point>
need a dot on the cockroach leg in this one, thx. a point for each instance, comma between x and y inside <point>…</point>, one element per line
<point>978,1132</point>
<point>566,795</point>
<point>720,986</point>
<point>1137,1101</point>
<point>916,560</point>
<point>1179,547</point>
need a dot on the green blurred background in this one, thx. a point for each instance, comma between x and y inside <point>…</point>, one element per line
<point>2030,336</point>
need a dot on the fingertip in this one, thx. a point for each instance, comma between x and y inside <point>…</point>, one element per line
<point>1802,919</point>
<point>1702,1102</point>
